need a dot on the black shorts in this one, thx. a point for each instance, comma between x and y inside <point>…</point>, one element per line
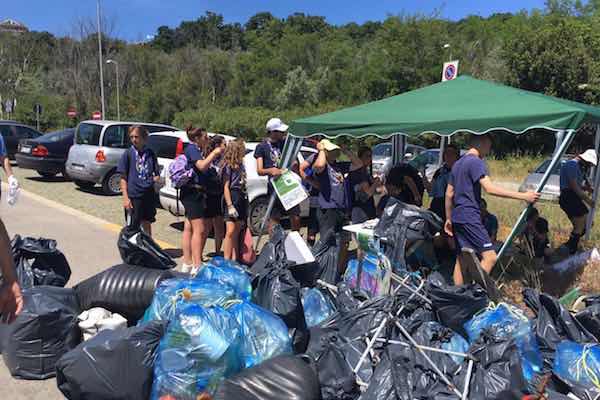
<point>313,220</point>
<point>279,212</point>
<point>240,201</point>
<point>473,236</point>
<point>213,202</point>
<point>572,204</point>
<point>333,219</point>
<point>144,208</point>
<point>194,201</point>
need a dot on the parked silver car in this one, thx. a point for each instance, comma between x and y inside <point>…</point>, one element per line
<point>97,149</point>
<point>551,190</point>
<point>382,156</point>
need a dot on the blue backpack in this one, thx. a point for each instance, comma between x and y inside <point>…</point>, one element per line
<point>180,172</point>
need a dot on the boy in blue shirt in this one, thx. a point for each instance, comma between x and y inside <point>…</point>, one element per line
<point>139,171</point>
<point>463,204</point>
<point>573,199</point>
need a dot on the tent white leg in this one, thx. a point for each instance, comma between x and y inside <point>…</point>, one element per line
<point>596,177</point>
<point>555,160</point>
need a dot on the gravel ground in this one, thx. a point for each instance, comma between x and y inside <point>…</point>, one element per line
<point>96,203</point>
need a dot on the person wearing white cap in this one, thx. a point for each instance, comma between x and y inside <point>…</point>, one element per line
<point>574,198</point>
<point>268,154</point>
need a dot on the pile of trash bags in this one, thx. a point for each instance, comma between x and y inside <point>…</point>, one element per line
<point>275,330</point>
<point>39,262</point>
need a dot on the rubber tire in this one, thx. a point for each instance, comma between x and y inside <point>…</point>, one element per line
<point>46,174</point>
<point>84,184</point>
<point>108,184</point>
<point>256,212</point>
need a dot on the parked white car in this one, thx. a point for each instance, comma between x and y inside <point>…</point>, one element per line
<point>382,156</point>
<point>174,144</point>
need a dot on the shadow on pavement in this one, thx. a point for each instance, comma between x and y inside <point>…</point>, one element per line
<point>53,179</point>
<point>97,190</point>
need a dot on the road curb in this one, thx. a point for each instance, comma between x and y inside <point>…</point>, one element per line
<point>106,225</point>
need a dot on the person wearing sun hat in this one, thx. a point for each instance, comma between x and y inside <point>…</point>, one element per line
<point>574,197</point>
<point>334,201</point>
<point>268,154</point>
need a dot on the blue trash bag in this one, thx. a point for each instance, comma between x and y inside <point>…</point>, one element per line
<point>199,350</point>
<point>227,273</point>
<point>263,334</point>
<point>507,321</point>
<point>171,294</point>
<point>578,364</point>
<point>375,277</point>
<point>458,344</point>
<point>317,306</point>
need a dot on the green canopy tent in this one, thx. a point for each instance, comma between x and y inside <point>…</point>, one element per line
<point>461,105</point>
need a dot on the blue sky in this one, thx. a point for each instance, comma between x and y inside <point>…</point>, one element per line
<point>134,19</point>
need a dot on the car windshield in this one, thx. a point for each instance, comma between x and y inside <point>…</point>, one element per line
<point>544,166</point>
<point>382,150</point>
<point>88,134</point>
<point>425,158</point>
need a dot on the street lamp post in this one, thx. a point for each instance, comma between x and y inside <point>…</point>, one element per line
<point>100,61</point>
<point>118,100</point>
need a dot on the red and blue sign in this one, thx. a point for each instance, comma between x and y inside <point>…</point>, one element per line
<point>450,71</point>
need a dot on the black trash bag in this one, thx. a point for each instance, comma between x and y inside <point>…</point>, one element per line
<point>113,365</point>
<point>455,305</point>
<point>326,252</point>
<point>282,377</point>
<point>122,289</point>
<point>589,318</point>
<point>276,290</point>
<point>348,298</point>
<point>402,224</point>
<point>271,253</point>
<point>497,369</point>
<point>44,331</point>
<point>137,248</point>
<point>338,343</point>
<point>39,263</point>
<point>553,324</point>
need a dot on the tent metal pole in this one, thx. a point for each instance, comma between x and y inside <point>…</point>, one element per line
<point>559,136</point>
<point>443,143</point>
<point>592,214</point>
<point>398,148</point>
<point>290,150</point>
<point>564,145</point>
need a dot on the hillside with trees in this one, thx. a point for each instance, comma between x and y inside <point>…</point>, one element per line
<point>231,77</point>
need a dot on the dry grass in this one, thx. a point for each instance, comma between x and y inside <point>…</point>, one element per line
<point>513,168</point>
<point>589,279</point>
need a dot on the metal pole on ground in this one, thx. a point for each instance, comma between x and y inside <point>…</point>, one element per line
<point>592,214</point>
<point>564,145</point>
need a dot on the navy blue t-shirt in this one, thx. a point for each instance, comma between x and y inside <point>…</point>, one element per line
<point>357,196</point>
<point>139,169</point>
<point>465,177</point>
<point>236,178</point>
<point>332,188</point>
<point>194,154</point>
<point>270,154</point>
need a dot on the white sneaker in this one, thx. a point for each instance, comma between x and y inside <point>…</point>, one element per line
<point>195,270</point>
<point>185,268</point>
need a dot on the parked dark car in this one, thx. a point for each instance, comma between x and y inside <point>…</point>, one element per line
<point>13,132</point>
<point>46,154</point>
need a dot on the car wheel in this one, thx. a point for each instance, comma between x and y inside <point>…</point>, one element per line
<point>112,183</point>
<point>84,184</point>
<point>65,174</point>
<point>46,174</point>
<point>256,213</point>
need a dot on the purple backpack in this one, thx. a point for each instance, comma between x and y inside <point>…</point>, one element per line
<point>180,172</point>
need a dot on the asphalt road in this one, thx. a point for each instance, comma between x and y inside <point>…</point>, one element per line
<point>90,247</point>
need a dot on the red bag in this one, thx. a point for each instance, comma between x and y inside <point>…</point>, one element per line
<point>247,253</point>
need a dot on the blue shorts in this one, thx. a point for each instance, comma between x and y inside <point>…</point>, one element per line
<point>473,236</point>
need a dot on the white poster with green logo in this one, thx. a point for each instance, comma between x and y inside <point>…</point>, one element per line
<point>289,189</point>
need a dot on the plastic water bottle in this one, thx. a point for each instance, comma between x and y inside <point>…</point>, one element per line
<point>13,190</point>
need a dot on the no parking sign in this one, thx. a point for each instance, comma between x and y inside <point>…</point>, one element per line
<point>450,70</point>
